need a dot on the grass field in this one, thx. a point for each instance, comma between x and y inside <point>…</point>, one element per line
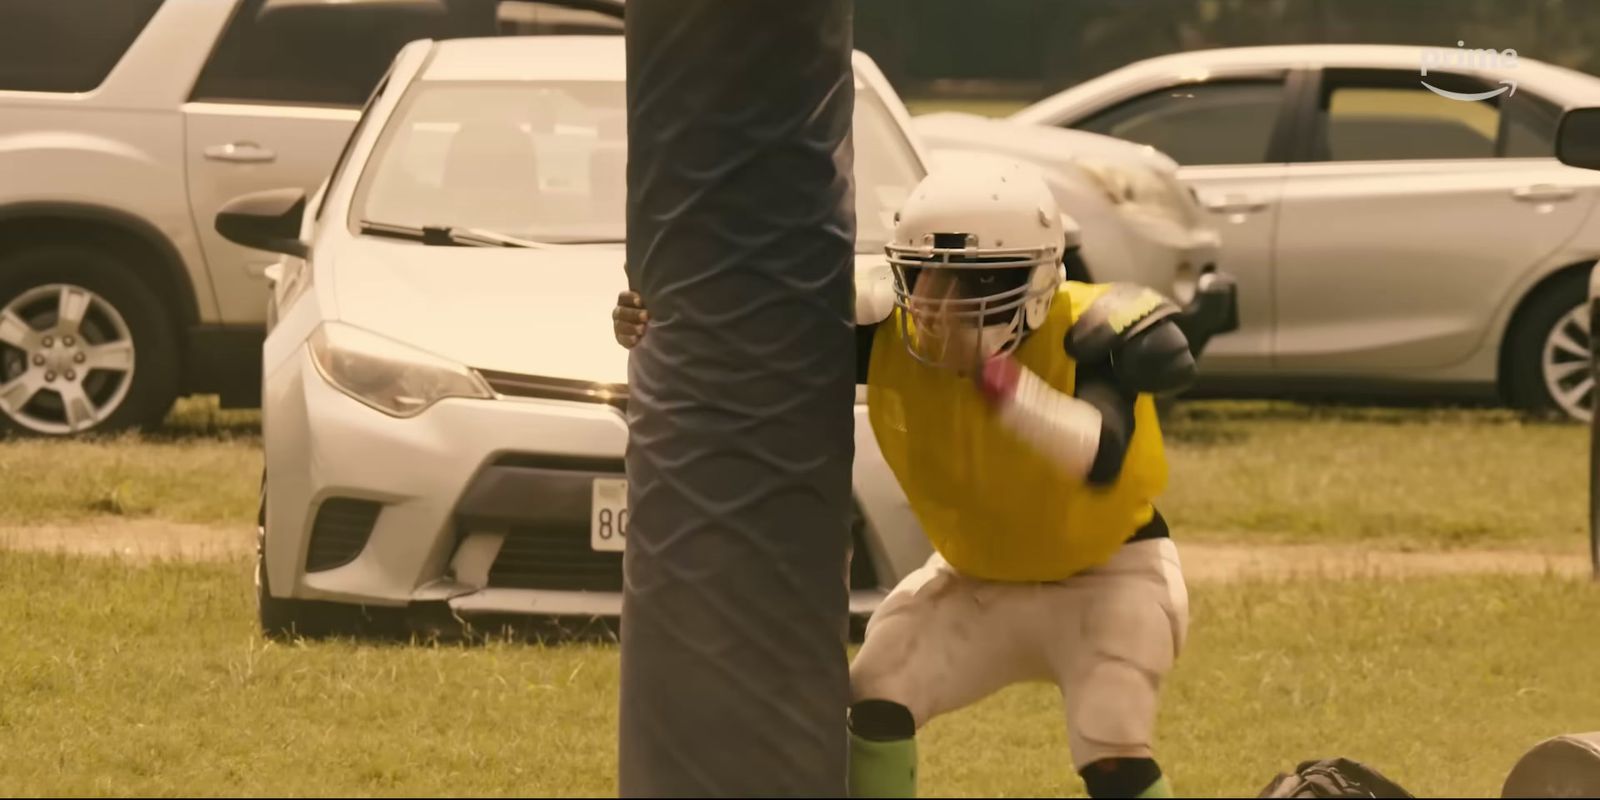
<point>203,466</point>
<point>1241,471</point>
<point>1397,477</point>
<point>125,680</point>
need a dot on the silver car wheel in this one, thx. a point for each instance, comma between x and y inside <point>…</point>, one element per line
<point>66,359</point>
<point>1565,365</point>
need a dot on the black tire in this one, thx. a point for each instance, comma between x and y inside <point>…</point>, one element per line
<point>1524,349</point>
<point>284,619</point>
<point>1594,495</point>
<point>157,368</point>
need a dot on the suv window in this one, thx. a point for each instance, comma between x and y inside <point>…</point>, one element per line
<point>66,45</point>
<point>335,54</point>
<point>1222,122</point>
<point>324,56</point>
<point>1387,116</point>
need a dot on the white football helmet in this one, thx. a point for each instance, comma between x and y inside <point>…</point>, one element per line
<point>976,256</point>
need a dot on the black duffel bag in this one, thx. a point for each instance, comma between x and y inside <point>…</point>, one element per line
<point>1333,777</point>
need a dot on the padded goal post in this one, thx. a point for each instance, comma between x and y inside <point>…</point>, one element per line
<point>741,232</point>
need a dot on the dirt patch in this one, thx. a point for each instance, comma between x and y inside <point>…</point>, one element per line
<point>1226,562</point>
<point>136,540</point>
<point>155,540</point>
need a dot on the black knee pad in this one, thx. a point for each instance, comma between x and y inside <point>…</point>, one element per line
<point>1120,777</point>
<point>882,721</point>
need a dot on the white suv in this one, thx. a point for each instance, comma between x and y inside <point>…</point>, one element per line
<point>124,127</point>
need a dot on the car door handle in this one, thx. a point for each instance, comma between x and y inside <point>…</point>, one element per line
<point>1543,193</point>
<point>1235,204</point>
<point>241,153</point>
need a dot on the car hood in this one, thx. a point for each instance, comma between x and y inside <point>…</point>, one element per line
<point>955,130</point>
<point>1113,165</point>
<point>532,312</point>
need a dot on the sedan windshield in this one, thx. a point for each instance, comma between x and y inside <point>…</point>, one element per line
<point>547,162</point>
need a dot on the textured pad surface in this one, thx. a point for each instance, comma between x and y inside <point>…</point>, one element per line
<point>741,229</point>
<point>1561,766</point>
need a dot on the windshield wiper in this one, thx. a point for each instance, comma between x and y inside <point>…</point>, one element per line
<point>446,235</point>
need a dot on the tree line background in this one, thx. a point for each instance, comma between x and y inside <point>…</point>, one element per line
<point>1026,49</point>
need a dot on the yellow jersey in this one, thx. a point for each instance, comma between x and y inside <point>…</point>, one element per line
<point>991,505</point>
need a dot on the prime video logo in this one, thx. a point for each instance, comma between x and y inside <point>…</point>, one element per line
<point>1437,57</point>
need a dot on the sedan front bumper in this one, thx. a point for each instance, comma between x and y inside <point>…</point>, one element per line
<point>484,505</point>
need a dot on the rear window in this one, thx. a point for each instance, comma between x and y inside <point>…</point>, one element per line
<point>66,45</point>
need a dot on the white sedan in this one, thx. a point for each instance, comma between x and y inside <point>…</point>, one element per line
<point>443,403</point>
<point>1395,216</point>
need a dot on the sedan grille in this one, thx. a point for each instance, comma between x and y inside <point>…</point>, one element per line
<point>511,384</point>
<point>560,558</point>
<point>555,558</point>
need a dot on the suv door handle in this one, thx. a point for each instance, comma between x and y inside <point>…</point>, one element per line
<point>1543,193</point>
<point>241,153</point>
<point>1235,204</point>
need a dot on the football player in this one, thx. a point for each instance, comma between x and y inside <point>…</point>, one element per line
<point>1016,410</point>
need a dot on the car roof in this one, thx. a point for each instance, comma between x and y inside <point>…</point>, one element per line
<point>1560,85</point>
<point>534,58</point>
<point>1382,56</point>
<point>528,58</point>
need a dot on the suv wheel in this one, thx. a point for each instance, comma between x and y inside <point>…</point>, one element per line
<point>84,345</point>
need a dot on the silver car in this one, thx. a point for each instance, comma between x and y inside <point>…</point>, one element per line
<point>1395,216</point>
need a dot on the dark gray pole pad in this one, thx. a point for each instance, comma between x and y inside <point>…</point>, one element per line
<point>741,230</point>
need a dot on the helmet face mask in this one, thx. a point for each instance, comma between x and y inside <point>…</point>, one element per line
<point>976,258</point>
<point>955,315</point>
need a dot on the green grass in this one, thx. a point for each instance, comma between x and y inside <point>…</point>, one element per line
<point>1261,471</point>
<point>1250,471</point>
<point>126,680</point>
<point>203,466</point>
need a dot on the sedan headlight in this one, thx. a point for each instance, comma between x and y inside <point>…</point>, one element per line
<point>396,379</point>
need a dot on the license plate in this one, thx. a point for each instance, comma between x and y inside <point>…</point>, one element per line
<point>608,515</point>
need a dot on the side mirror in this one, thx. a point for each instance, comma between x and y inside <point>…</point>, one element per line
<point>266,221</point>
<point>1578,138</point>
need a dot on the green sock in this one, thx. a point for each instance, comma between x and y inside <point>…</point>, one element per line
<point>1157,789</point>
<point>883,769</point>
